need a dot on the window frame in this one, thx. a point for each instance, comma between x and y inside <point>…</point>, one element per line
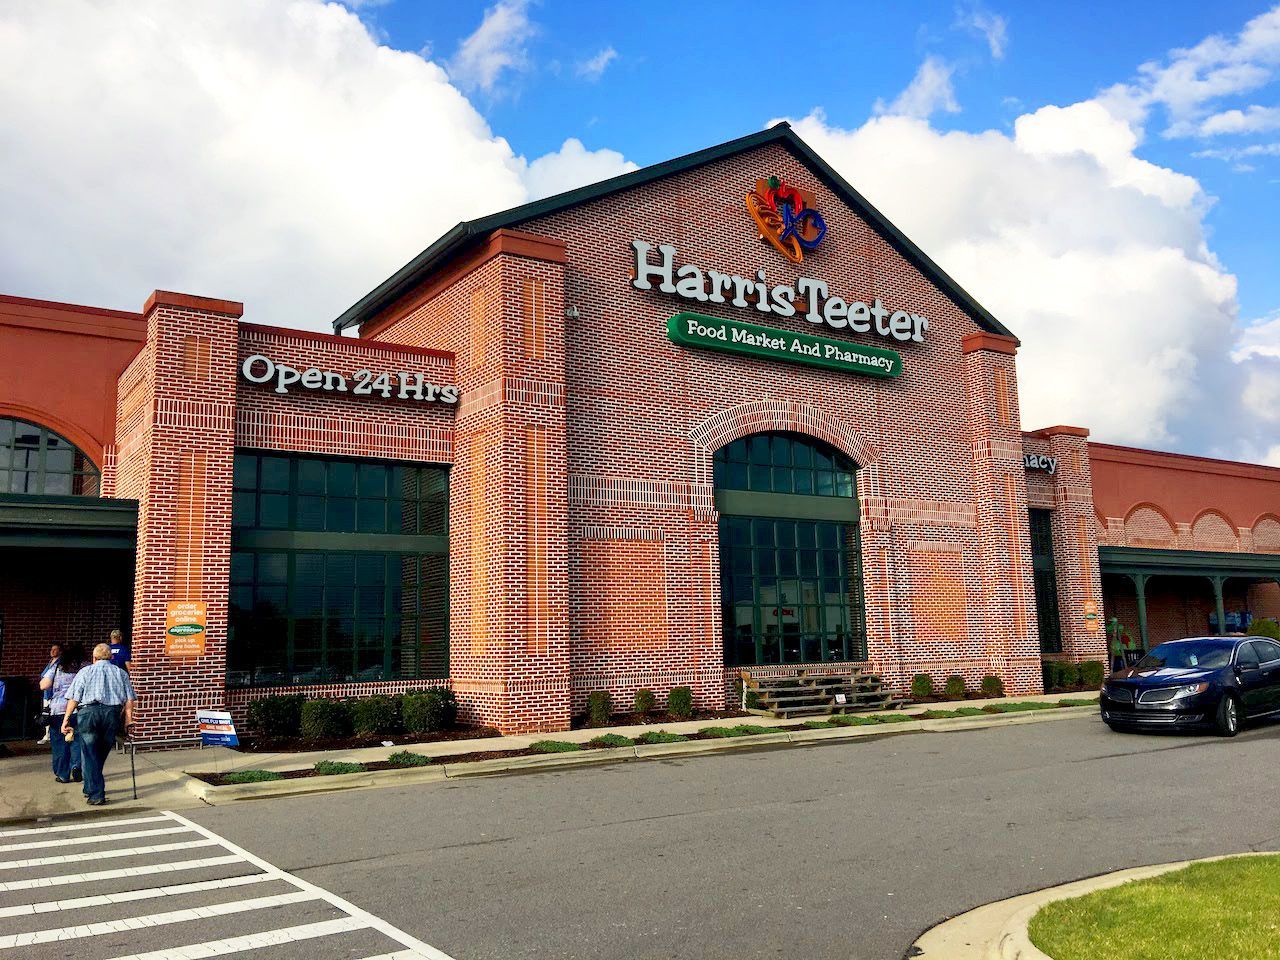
<point>82,466</point>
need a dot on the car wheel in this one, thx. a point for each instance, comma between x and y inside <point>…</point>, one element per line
<point>1227,719</point>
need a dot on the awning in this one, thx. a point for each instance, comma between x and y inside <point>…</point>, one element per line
<point>47,521</point>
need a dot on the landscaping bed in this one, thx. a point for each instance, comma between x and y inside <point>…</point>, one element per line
<point>1222,908</point>
<point>254,743</point>
<point>405,759</point>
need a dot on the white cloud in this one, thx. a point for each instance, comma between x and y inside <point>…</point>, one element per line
<point>1094,257</point>
<point>271,153</point>
<point>499,44</point>
<point>930,90</point>
<point>1259,339</point>
<point>993,27</point>
<point>573,165</point>
<point>1254,119</point>
<point>594,68</point>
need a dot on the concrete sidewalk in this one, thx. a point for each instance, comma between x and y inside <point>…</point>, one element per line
<point>28,790</point>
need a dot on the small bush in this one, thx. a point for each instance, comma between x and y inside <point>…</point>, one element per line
<point>403,758</point>
<point>818,724</point>
<point>969,711</point>
<point>954,687</point>
<point>680,703</point>
<point>937,715</point>
<point>646,701</point>
<point>1264,628</point>
<point>554,746</point>
<point>751,730</point>
<point>753,700</point>
<point>892,717</point>
<point>251,776</point>
<point>660,736</point>
<point>429,711</point>
<point>325,719</point>
<point>599,708</point>
<point>1068,675</point>
<point>992,686</point>
<point>921,686</point>
<point>847,720</point>
<point>329,768</point>
<point>278,716</point>
<point>610,740</point>
<point>1092,673</point>
<point>378,714</point>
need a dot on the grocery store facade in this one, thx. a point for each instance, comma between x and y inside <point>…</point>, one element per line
<point>715,415</point>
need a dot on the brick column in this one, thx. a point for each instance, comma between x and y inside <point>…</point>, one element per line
<point>1007,601</point>
<point>1075,546</point>
<point>509,632</point>
<point>184,504</point>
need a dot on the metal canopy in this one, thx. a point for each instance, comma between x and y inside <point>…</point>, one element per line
<point>49,521</point>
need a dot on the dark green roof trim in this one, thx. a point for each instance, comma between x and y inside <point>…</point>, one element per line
<point>469,232</point>
<point>1188,563</point>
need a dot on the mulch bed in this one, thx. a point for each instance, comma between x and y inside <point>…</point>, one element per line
<point>255,744</point>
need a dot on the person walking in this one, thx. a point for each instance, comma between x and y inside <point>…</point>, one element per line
<point>64,749</point>
<point>45,674</point>
<point>103,697</point>
<point>121,655</point>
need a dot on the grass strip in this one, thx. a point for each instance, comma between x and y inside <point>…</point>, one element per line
<point>554,746</point>
<point>1227,908</point>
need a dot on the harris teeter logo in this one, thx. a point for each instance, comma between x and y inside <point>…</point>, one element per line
<point>786,218</point>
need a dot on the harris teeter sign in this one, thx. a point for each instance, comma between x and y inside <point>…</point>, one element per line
<point>768,343</point>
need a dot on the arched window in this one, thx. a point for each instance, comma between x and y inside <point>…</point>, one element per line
<point>34,459</point>
<point>790,560</point>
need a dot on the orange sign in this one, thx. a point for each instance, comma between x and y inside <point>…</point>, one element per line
<point>1091,616</point>
<point>184,628</point>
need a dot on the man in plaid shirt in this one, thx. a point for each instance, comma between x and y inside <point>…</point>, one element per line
<point>104,697</point>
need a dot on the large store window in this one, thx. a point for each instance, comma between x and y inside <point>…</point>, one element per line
<point>34,459</point>
<point>339,571</point>
<point>790,562</point>
<point>1046,581</point>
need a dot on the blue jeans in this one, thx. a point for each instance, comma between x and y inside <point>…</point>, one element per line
<point>64,756</point>
<point>97,731</point>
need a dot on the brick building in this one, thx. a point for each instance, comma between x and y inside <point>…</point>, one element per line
<point>713,416</point>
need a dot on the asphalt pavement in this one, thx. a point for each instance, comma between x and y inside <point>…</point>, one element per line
<point>839,850</point>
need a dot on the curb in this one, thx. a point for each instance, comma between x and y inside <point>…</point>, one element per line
<point>998,931</point>
<point>641,751</point>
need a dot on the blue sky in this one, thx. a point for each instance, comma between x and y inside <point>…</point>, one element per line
<point>1102,177</point>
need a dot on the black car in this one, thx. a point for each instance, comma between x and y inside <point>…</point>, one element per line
<point>1200,681</point>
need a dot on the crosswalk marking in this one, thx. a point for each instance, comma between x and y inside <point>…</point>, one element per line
<point>86,825</point>
<point>252,871</point>
<point>255,941</point>
<point>102,838</point>
<point>103,854</point>
<point>116,874</point>
<point>101,899</point>
<point>78,932</point>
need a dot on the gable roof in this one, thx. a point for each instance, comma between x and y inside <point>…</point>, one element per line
<point>470,232</point>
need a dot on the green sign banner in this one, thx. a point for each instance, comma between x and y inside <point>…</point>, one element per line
<point>734,336</point>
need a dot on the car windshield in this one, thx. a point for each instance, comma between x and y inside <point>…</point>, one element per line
<point>1188,655</point>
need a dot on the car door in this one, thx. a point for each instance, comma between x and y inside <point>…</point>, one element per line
<point>1253,685</point>
<point>1269,658</point>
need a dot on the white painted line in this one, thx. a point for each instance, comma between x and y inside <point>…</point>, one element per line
<point>252,941</point>
<point>74,841</point>
<point>102,899</point>
<point>86,825</point>
<point>104,854</point>
<point>420,949</point>
<point>120,872</point>
<point>58,934</point>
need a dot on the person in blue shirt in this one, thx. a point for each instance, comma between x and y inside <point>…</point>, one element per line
<point>102,698</point>
<point>121,656</point>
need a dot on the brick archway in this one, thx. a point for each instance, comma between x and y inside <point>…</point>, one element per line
<point>762,416</point>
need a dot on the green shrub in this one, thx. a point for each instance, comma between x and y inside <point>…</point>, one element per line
<point>403,758</point>
<point>324,719</point>
<point>921,686</point>
<point>753,700</point>
<point>992,686</point>
<point>429,711</point>
<point>680,703</point>
<point>599,708</point>
<point>378,714</point>
<point>251,776</point>
<point>751,730</point>
<point>847,720</point>
<point>1264,628</point>
<point>646,701</point>
<point>937,715</point>
<point>329,768</point>
<point>660,736</point>
<point>610,740</point>
<point>1060,675</point>
<point>1092,673</point>
<point>892,717</point>
<point>954,687</point>
<point>969,711</point>
<point>818,724</point>
<point>278,716</point>
<point>554,746</point>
